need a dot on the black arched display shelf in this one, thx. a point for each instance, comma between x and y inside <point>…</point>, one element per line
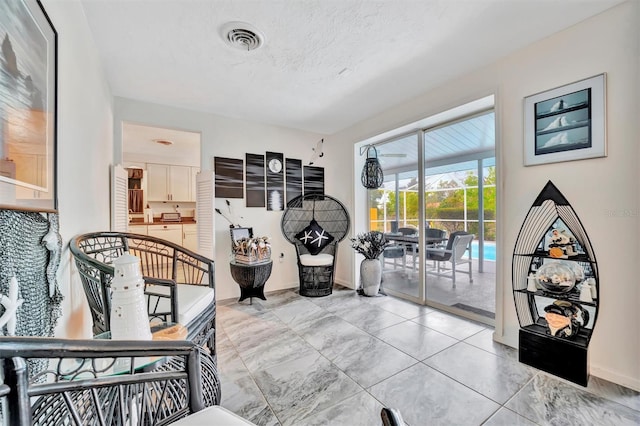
<point>557,349</point>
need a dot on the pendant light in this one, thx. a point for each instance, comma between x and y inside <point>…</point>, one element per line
<point>372,175</point>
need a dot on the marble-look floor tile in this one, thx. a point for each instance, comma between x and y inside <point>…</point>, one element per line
<point>229,362</point>
<point>488,374</point>
<point>506,417</point>
<point>449,324</point>
<point>403,308</point>
<point>297,312</point>
<point>484,340</point>
<point>368,360</point>
<point>427,397</point>
<point>330,335</point>
<point>242,396</point>
<point>246,335</point>
<point>278,349</point>
<point>303,387</point>
<point>360,409</point>
<point>368,317</point>
<point>278,298</point>
<point>549,401</point>
<point>414,339</point>
<point>621,395</point>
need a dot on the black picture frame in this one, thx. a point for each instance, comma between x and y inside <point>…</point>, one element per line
<point>28,107</point>
<point>566,123</point>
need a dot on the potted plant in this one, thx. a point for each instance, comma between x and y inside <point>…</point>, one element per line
<point>371,245</point>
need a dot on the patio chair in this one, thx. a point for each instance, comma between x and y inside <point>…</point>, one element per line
<point>459,242</point>
<point>315,224</point>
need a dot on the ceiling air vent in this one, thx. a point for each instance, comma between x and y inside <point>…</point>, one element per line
<point>242,36</point>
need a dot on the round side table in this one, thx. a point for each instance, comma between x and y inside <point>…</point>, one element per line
<point>251,278</point>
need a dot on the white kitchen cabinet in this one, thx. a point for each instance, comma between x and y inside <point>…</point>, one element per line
<point>190,237</point>
<point>171,233</point>
<point>137,229</point>
<point>167,182</point>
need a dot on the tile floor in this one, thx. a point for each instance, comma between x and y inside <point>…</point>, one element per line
<point>337,360</point>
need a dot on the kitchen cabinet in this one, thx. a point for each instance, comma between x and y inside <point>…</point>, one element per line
<point>137,229</point>
<point>166,182</point>
<point>171,233</point>
<point>190,237</point>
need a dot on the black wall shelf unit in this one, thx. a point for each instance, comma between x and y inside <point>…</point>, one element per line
<point>536,248</point>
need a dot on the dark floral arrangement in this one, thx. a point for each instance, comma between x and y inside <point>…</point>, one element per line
<point>370,244</point>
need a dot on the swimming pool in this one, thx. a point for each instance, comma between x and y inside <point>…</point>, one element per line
<point>489,250</point>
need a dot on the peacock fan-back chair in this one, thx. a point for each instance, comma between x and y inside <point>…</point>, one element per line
<point>315,224</point>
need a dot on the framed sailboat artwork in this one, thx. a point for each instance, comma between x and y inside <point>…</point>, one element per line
<point>566,123</point>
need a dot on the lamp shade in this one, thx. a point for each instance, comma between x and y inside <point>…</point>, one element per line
<point>372,175</point>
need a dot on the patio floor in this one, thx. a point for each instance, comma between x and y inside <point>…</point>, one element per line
<point>478,297</point>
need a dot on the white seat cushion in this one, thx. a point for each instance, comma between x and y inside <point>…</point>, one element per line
<point>215,415</point>
<point>192,300</point>
<point>321,259</point>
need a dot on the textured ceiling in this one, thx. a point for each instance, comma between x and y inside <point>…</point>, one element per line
<point>170,51</point>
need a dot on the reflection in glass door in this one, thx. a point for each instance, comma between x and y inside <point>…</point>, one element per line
<point>395,210</point>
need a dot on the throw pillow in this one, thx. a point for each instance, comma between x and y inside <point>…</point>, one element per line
<point>314,238</point>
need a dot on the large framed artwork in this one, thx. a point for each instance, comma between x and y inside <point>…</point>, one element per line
<point>28,67</point>
<point>566,123</point>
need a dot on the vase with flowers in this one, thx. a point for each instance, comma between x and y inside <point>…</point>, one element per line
<point>371,245</point>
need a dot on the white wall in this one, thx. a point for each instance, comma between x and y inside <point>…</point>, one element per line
<point>226,137</point>
<point>85,149</point>
<point>604,192</point>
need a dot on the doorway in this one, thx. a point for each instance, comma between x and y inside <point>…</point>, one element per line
<point>162,164</point>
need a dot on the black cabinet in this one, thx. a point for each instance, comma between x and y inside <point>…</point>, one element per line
<point>555,288</point>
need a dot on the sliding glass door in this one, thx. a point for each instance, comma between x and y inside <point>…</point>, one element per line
<point>440,183</point>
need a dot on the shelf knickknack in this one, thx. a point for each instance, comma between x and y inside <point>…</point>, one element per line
<point>555,288</point>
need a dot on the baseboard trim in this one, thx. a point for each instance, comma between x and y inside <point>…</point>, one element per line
<point>612,376</point>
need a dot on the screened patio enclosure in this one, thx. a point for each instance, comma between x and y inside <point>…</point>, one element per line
<point>442,178</point>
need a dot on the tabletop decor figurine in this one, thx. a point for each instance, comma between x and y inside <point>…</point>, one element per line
<point>129,315</point>
<point>370,245</point>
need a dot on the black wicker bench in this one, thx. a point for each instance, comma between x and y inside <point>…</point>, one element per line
<point>179,288</point>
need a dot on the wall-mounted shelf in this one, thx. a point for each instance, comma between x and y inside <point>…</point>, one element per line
<point>565,353</point>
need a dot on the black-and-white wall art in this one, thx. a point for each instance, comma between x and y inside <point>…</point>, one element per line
<point>313,180</point>
<point>275,181</point>
<point>254,177</point>
<point>229,177</point>
<point>566,123</point>
<point>294,178</point>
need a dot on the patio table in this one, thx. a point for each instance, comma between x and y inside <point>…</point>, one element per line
<point>412,240</point>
